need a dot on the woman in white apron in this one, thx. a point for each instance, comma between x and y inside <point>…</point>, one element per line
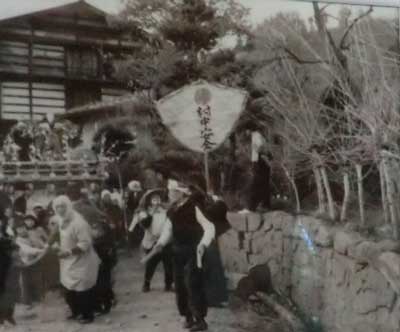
<point>79,264</point>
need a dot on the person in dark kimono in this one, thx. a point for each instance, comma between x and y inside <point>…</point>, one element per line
<point>88,209</point>
<point>23,138</point>
<point>114,215</point>
<point>5,199</point>
<point>104,245</point>
<point>9,273</point>
<point>134,195</point>
<point>105,248</point>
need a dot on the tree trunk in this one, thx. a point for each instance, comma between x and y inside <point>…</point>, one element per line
<point>360,194</point>
<point>346,198</point>
<point>320,191</point>
<point>391,201</point>
<point>331,205</point>
<point>222,182</point>
<point>384,194</point>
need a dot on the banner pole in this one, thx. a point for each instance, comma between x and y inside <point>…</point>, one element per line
<point>207,171</point>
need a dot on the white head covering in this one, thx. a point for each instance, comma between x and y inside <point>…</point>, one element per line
<point>134,186</point>
<point>63,200</point>
<point>38,205</point>
<point>104,193</point>
<point>175,185</point>
<point>116,196</point>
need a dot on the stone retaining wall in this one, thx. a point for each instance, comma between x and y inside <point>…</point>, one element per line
<point>347,282</point>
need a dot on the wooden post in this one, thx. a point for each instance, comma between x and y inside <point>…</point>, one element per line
<point>207,171</point>
<point>360,193</point>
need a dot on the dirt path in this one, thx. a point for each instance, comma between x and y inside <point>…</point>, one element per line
<point>135,312</point>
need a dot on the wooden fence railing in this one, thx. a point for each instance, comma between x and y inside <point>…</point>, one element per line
<point>52,171</point>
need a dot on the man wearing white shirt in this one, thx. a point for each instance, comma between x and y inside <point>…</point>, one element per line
<point>157,234</point>
<point>192,234</point>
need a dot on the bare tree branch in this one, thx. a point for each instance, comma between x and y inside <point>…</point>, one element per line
<point>351,26</point>
<point>295,57</point>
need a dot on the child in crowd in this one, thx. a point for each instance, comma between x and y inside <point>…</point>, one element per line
<point>37,235</point>
<point>7,223</point>
<point>29,253</point>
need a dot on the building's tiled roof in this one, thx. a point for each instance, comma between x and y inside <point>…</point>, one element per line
<point>22,7</point>
<point>92,108</point>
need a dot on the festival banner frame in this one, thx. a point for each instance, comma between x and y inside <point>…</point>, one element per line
<point>202,114</point>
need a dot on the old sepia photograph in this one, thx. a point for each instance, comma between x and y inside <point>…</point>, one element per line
<point>199,165</point>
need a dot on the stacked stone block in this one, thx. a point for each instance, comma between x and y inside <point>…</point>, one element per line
<point>348,282</point>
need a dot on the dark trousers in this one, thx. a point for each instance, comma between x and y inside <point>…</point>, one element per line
<point>189,283</point>
<point>7,315</point>
<point>215,281</point>
<point>32,284</point>
<point>104,293</point>
<point>165,257</point>
<point>260,187</point>
<point>81,303</point>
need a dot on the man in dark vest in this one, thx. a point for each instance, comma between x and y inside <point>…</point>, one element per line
<point>192,234</point>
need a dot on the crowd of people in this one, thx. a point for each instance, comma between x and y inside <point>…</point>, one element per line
<point>71,242</point>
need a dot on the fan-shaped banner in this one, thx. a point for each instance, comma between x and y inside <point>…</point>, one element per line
<point>202,114</point>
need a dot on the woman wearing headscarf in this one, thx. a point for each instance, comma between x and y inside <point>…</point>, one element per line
<point>79,264</point>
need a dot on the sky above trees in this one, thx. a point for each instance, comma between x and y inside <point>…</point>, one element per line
<point>260,9</point>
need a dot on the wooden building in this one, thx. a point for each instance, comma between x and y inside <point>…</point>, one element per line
<point>55,59</point>
<point>52,60</point>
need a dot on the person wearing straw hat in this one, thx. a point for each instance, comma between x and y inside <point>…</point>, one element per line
<point>192,234</point>
<point>157,235</point>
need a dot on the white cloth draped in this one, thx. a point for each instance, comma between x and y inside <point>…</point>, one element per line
<point>78,272</point>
